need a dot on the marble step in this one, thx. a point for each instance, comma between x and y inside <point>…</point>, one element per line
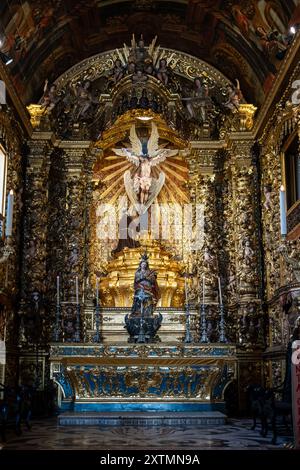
<point>202,418</point>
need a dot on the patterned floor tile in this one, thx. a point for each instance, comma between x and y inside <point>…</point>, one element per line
<point>46,434</point>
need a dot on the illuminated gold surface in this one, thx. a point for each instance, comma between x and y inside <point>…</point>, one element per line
<point>36,112</point>
<point>122,125</point>
<point>116,289</point>
<point>246,112</point>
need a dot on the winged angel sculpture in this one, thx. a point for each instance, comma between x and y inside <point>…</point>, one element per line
<point>141,187</point>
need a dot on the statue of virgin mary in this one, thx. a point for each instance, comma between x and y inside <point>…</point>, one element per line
<point>146,290</point>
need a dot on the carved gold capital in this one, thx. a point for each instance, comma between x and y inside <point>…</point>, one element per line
<point>241,154</point>
<point>203,161</point>
<point>246,115</point>
<point>78,154</point>
<point>37,112</point>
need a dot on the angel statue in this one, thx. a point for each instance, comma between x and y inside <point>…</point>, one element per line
<point>143,188</point>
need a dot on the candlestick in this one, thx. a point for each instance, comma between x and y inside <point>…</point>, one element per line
<point>83,291</point>
<point>222,325</point>
<point>9,213</point>
<point>77,335</point>
<point>77,290</point>
<point>220,291</point>
<point>57,329</point>
<point>283,211</point>
<point>203,290</point>
<point>203,337</point>
<point>97,291</point>
<point>57,290</point>
<point>186,289</point>
<point>97,337</point>
<point>188,336</point>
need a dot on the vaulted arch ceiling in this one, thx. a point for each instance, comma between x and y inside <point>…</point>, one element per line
<point>46,37</point>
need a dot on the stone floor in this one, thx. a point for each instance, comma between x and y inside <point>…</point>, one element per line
<point>47,435</point>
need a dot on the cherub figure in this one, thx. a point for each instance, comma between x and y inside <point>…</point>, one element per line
<point>208,258</point>
<point>139,77</point>
<point>234,97</point>
<point>84,100</point>
<point>162,73</point>
<point>248,252</point>
<point>131,68</point>
<point>196,103</point>
<point>117,72</point>
<point>73,258</point>
<point>50,97</point>
<point>267,193</point>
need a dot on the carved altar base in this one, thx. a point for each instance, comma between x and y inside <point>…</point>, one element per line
<point>143,377</point>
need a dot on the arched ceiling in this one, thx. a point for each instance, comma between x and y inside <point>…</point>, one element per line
<point>47,37</point>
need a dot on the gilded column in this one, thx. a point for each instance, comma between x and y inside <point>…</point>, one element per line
<point>204,182</point>
<point>56,242</point>
<point>249,317</point>
<point>34,273</point>
<point>228,262</point>
<point>76,155</point>
<point>246,244</point>
<point>35,316</point>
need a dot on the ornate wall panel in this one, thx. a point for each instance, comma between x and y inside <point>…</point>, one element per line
<point>11,140</point>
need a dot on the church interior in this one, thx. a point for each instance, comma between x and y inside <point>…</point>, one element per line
<point>149,224</point>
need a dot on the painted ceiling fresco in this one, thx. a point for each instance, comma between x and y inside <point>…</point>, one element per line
<point>245,40</point>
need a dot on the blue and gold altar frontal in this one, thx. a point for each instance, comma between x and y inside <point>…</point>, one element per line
<point>155,377</point>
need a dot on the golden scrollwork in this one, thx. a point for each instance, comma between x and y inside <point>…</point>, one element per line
<point>37,113</point>
<point>153,382</point>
